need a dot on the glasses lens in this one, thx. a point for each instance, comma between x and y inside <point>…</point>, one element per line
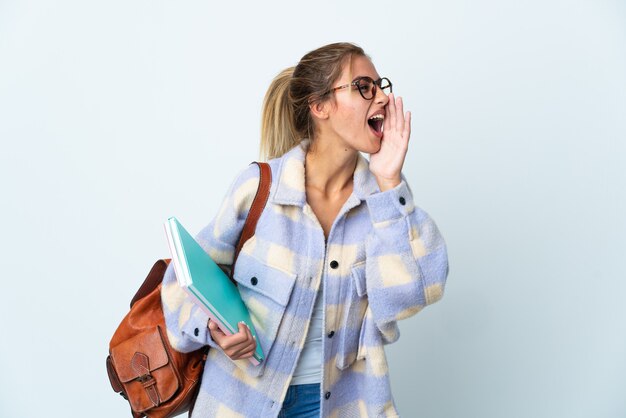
<point>385,85</point>
<point>366,87</point>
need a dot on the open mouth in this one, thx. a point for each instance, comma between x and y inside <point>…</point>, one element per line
<point>376,124</point>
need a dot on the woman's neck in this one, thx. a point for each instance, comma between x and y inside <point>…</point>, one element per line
<point>329,167</point>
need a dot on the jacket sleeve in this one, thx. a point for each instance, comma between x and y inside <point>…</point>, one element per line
<point>186,323</point>
<point>407,262</point>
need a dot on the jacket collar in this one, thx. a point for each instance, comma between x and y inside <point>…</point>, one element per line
<point>290,187</point>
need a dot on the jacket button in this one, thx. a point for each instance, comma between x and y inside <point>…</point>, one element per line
<point>334,264</point>
<point>254,281</point>
<point>330,334</point>
<point>327,395</point>
<point>402,201</point>
<point>196,332</point>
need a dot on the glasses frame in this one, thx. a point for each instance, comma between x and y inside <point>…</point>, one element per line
<point>377,83</point>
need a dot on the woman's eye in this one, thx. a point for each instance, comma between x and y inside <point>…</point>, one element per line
<point>365,87</point>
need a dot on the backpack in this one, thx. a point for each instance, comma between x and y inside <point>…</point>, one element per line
<point>156,380</point>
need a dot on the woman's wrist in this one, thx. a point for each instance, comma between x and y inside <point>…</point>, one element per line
<point>385,184</point>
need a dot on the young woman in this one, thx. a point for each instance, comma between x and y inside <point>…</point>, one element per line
<point>340,252</point>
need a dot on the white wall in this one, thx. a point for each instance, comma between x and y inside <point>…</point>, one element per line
<point>517,152</point>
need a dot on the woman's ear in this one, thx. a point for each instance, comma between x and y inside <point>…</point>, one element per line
<point>320,110</point>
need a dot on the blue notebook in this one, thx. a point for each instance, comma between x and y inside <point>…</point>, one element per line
<point>207,284</point>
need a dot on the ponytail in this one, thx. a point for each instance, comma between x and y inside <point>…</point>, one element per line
<point>278,130</point>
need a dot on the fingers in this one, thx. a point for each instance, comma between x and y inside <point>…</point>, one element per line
<point>248,332</point>
<point>395,118</point>
<point>391,110</point>
<point>399,114</point>
<point>407,126</point>
<point>216,333</point>
<point>249,350</point>
<point>244,349</point>
<point>387,120</point>
<point>250,344</point>
<point>239,345</point>
<point>235,343</point>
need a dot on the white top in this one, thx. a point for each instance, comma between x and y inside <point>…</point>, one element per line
<point>309,367</point>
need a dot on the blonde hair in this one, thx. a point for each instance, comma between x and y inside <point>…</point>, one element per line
<point>286,119</point>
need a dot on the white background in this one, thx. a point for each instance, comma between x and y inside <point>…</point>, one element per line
<point>115,115</point>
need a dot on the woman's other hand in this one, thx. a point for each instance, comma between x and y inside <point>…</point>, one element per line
<point>237,346</point>
<point>386,164</point>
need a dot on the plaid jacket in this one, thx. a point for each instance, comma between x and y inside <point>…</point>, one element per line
<point>384,261</point>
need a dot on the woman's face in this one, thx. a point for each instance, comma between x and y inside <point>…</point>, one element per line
<point>349,112</point>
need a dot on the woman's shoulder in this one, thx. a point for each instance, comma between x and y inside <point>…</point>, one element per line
<point>251,174</point>
<point>246,183</point>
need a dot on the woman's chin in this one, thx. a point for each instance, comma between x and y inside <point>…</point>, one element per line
<point>373,147</point>
<point>374,144</point>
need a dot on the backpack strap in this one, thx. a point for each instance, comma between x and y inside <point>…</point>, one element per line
<point>258,204</point>
<point>154,278</point>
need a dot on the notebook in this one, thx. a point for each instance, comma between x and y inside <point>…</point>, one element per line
<point>207,284</point>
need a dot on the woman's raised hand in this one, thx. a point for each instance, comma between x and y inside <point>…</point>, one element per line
<point>387,163</point>
<point>236,346</point>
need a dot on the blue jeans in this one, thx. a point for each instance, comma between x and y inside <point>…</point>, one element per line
<point>301,401</point>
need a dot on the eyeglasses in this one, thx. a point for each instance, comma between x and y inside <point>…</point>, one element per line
<point>367,86</point>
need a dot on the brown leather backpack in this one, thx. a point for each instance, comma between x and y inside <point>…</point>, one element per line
<point>157,380</point>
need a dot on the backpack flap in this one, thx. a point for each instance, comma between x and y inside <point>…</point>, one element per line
<point>145,370</point>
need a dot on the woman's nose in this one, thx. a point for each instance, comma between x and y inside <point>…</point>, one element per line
<point>381,97</point>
